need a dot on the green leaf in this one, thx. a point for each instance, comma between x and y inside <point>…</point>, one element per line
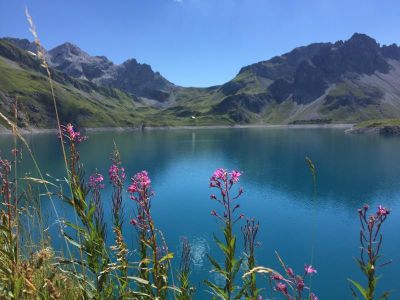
<point>169,256</point>
<point>362,291</point>
<point>72,242</point>
<point>18,287</point>
<point>92,209</point>
<point>215,264</point>
<point>217,291</point>
<point>74,226</point>
<point>236,266</point>
<point>221,246</point>
<point>232,243</point>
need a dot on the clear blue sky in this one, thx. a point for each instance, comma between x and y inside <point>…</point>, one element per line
<point>199,42</point>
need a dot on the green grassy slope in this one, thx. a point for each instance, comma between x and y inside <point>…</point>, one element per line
<point>22,79</point>
<point>249,98</point>
<point>32,91</point>
<point>378,123</point>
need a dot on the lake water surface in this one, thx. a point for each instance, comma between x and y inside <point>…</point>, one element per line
<point>351,170</point>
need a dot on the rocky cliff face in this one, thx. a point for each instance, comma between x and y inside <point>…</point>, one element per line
<point>306,72</point>
<point>131,76</point>
<point>354,78</point>
<point>71,60</point>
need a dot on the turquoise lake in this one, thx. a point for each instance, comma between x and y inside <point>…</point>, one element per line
<point>278,191</point>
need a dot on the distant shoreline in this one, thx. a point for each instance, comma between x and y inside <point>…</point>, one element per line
<point>4,131</point>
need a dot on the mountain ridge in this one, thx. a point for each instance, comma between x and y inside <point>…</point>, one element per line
<point>344,81</point>
<point>75,62</point>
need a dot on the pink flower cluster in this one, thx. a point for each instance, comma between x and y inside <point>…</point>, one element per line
<point>95,181</point>
<point>140,184</point>
<point>116,174</point>
<point>223,181</point>
<point>295,282</point>
<point>72,135</point>
<point>281,287</point>
<point>370,234</point>
<point>309,269</point>
<point>374,219</point>
<point>140,192</point>
<point>382,211</point>
<point>221,176</point>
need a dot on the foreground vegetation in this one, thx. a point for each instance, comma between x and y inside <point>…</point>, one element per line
<point>86,267</point>
<point>89,268</point>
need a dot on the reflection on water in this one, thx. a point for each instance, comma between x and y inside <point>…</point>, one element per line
<point>200,248</point>
<point>351,170</point>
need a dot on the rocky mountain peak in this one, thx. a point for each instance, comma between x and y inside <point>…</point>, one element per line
<point>131,76</point>
<point>67,51</point>
<point>362,40</point>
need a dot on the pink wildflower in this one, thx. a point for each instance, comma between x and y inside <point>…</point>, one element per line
<point>220,174</point>
<point>281,287</point>
<point>290,272</point>
<point>133,188</point>
<point>72,135</point>
<point>116,175</point>
<point>140,183</point>
<point>235,176</point>
<point>276,277</point>
<point>299,283</point>
<point>224,181</point>
<point>309,269</point>
<point>382,211</point>
<point>95,181</point>
<point>140,192</point>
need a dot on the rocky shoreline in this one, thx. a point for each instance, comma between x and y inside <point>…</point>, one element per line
<point>386,130</point>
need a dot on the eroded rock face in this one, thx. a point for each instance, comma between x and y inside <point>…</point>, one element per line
<point>131,76</point>
<point>306,72</point>
<point>356,77</point>
<point>71,60</point>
